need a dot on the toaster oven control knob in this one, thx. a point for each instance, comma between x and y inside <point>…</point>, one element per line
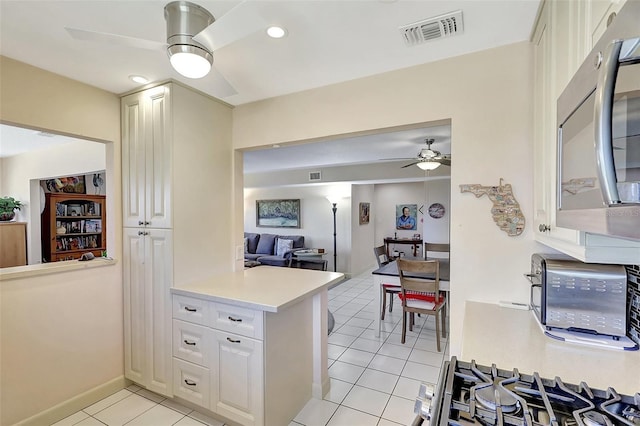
<point>597,60</point>
<point>544,228</point>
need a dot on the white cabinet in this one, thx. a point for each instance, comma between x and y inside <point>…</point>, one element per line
<point>176,144</point>
<point>148,272</point>
<point>237,378</point>
<point>218,369</point>
<point>146,158</point>
<point>564,35</point>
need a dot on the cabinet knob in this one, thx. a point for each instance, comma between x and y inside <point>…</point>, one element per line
<point>140,223</point>
<point>147,223</point>
<point>544,228</point>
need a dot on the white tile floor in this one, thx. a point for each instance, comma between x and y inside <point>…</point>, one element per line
<point>374,380</point>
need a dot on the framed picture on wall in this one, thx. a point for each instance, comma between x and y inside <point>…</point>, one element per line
<point>406,215</point>
<point>278,213</point>
<point>364,213</point>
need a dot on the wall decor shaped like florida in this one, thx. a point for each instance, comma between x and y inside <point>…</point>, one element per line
<point>506,210</point>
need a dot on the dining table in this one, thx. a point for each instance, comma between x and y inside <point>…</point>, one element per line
<point>388,275</point>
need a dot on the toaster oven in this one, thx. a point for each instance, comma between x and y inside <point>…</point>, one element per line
<point>576,296</point>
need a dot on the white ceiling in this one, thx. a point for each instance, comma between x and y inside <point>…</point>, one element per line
<point>328,41</point>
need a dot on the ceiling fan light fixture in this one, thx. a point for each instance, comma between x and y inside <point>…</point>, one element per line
<point>190,61</point>
<point>428,165</point>
<point>184,20</point>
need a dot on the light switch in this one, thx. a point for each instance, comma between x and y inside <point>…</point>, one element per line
<point>239,252</point>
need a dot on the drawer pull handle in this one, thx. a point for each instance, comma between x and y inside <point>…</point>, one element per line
<point>235,319</point>
<point>186,308</point>
<point>189,382</point>
<point>232,341</point>
<point>189,343</point>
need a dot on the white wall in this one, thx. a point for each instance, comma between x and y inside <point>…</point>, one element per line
<point>61,334</point>
<point>19,172</point>
<point>487,96</point>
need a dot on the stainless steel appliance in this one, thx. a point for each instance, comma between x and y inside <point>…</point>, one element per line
<point>471,394</point>
<point>586,297</point>
<point>599,135</point>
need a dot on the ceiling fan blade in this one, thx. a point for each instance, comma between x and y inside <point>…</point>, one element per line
<point>443,161</point>
<point>396,159</point>
<point>116,39</point>
<point>411,164</point>
<point>240,22</point>
<point>223,88</point>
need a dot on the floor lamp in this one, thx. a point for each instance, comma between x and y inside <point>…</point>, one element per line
<point>334,209</point>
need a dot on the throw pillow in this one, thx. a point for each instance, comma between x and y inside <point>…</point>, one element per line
<point>246,245</point>
<point>283,246</point>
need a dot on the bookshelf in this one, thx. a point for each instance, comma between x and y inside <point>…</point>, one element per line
<point>73,224</point>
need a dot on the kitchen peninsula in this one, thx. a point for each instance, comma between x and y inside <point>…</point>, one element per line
<point>244,339</point>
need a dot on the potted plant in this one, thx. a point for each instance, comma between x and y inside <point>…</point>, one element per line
<point>8,205</point>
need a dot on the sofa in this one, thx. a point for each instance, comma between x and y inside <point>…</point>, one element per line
<point>271,249</point>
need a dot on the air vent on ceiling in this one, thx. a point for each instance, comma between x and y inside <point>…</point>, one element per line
<point>45,134</point>
<point>433,28</point>
<point>314,176</point>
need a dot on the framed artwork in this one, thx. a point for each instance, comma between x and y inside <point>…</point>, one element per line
<point>364,213</point>
<point>406,215</point>
<point>70,184</point>
<point>278,213</point>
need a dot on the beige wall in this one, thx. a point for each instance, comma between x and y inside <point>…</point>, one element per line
<point>61,334</point>
<point>487,96</point>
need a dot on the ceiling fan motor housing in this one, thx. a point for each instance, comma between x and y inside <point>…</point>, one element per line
<point>185,20</point>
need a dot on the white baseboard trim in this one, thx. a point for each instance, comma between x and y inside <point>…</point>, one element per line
<point>77,403</point>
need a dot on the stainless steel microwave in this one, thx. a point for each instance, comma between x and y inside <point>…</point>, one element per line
<point>599,135</point>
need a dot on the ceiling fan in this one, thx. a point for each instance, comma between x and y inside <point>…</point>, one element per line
<point>428,159</point>
<point>193,34</point>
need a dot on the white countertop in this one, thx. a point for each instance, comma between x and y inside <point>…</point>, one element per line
<point>511,338</point>
<point>266,288</point>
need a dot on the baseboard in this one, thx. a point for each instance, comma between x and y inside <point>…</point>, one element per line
<point>77,403</point>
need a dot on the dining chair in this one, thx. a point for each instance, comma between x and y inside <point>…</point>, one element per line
<point>421,295</point>
<point>436,248</point>
<point>382,259</point>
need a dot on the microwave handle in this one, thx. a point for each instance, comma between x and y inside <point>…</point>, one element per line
<point>602,122</point>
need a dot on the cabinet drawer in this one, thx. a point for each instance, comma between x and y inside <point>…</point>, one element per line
<point>191,342</point>
<point>191,309</point>
<point>191,382</point>
<point>246,322</point>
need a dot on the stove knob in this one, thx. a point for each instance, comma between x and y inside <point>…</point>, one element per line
<point>426,391</point>
<point>422,408</point>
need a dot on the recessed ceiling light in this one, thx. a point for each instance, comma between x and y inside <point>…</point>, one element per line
<point>275,145</point>
<point>276,32</point>
<point>139,79</point>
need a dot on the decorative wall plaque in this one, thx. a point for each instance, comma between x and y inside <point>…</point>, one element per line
<point>505,211</point>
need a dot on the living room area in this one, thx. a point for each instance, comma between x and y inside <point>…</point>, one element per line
<point>368,199</point>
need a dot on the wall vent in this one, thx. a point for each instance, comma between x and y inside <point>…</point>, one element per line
<point>315,176</point>
<point>432,28</point>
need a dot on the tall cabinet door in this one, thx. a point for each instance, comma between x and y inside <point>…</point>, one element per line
<point>158,267</point>
<point>146,158</point>
<point>134,304</point>
<point>158,169</point>
<point>133,160</point>
<point>148,276</point>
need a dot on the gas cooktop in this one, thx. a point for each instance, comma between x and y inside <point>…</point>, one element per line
<point>471,394</point>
